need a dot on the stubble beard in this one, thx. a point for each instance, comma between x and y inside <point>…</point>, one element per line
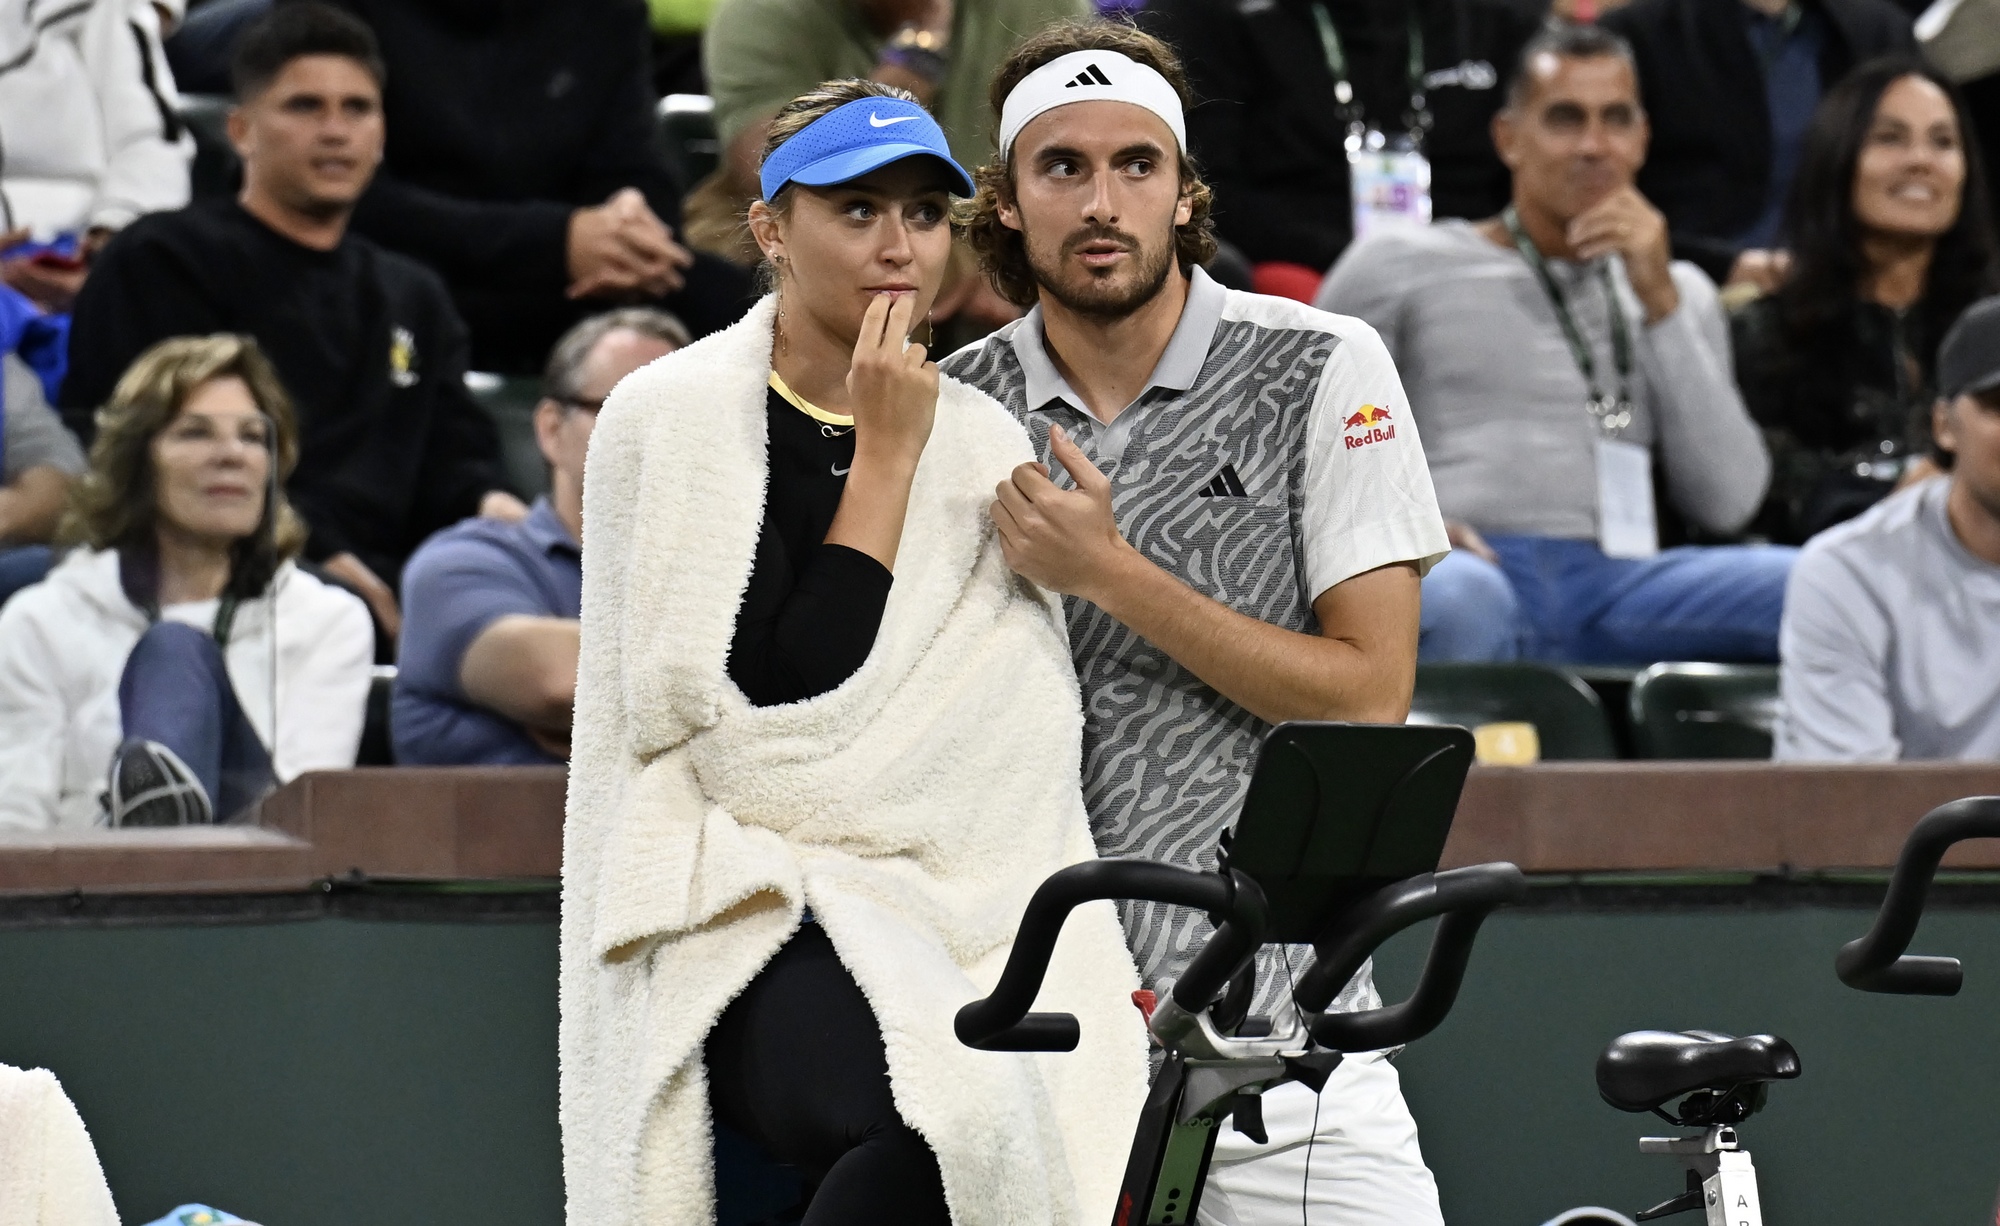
<point>1102,298</point>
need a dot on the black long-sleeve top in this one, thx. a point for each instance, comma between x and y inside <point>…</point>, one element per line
<point>366,342</point>
<point>504,117</point>
<point>1267,129</point>
<point>811,610</point>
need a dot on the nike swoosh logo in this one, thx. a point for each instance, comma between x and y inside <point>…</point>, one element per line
<point>876,121</point>
<point>842,472</point>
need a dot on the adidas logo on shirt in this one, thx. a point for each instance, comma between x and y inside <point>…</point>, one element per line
<point>1225,485</point>
<point>1089,76</point>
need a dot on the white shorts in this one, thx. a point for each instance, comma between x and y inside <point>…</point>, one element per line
<point>1360,1167</point>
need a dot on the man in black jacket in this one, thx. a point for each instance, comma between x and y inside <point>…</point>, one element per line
<point>1730,87</point>
<point>521,165</point>
<point>391,446</point>
<point>1271,120</point>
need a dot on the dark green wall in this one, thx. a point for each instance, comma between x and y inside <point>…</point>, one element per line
<point>334,1071</point>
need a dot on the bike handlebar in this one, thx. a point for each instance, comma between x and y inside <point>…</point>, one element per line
<point>1463,897</point>
<point>1001,1021</point>
<point>1876,962</point>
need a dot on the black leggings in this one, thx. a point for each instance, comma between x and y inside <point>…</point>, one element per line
<point>796,1065</point>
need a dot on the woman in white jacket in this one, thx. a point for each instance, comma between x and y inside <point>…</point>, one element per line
<point>177,664</point>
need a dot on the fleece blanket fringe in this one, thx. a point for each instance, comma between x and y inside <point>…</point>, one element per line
<point>914,810</point>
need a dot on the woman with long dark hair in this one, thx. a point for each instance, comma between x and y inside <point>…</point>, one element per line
<point>826,746</point>
<point>1890,237</point>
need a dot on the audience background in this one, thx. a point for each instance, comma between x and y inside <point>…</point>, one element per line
<point>503,180</point>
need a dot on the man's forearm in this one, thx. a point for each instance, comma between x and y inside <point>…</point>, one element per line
<point>1274,673</point>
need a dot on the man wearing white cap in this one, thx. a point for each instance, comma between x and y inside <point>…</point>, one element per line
<point>1236,504</point>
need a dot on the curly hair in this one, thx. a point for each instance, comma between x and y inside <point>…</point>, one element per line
<point>1003,252</point>
<point>115,505</point>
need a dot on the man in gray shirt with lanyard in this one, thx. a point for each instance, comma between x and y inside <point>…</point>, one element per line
<point>1557,360</point>
<point>1236,504</point>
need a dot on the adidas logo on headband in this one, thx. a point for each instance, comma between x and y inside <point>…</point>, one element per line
<point>1049,86</point>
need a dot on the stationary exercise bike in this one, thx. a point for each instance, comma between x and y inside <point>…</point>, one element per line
<point>1336,846</point>
<point>1721,1081</point>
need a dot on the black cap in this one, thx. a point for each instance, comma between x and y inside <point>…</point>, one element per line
<point>1969,358</point>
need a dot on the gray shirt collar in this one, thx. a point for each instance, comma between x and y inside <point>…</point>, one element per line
<point>1176,370</point>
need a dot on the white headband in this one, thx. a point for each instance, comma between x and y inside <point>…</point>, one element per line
<point>1090,76</point>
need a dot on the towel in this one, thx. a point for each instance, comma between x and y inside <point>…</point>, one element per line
<point>914,809</point>
<point>48,1168</point>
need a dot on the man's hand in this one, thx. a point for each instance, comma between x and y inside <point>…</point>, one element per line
<point>381,601</point>
<point>1624,222</point>
<point>1065,540</point>
<point>621,248</point>
<point>503,506</point>
<point>1763,270</point>
<point>1464,536</point>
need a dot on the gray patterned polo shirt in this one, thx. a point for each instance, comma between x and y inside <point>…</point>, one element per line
<point>1270,456</point>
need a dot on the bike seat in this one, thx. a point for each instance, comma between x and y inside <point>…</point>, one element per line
<point>1641,1070</point>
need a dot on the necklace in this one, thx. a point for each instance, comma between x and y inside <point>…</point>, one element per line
<point>832,425</point>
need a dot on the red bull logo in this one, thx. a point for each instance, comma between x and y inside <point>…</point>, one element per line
<point>1370,420</point>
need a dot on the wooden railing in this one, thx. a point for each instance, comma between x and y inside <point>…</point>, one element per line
<point>505,823</point>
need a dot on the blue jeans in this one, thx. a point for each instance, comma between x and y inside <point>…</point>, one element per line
<point>176,692</point>
<point>1564,601</point>
<point>21,566</point>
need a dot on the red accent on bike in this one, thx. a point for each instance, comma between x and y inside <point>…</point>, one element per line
<point>1145,1001</point>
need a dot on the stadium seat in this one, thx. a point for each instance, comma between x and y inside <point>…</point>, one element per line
<point>1568,718</point>
<point>686,132</point>
<point>376,747</point>
<point>1705,710</point>
<point>217,171</point>
<point>510,402</point>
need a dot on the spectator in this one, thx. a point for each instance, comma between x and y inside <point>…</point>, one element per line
<point>760,54</point>
<point>394,448</point>
<point>38,460</point>
<point>179,644</point>
<point>488,664</point>
<point>1892,624</point>
<point>1890,239</point>
<point>1283,85</point>
<point>522,166</point>
<point>1554,360</point>
<point>1731,86</point>
<point>91,137</point>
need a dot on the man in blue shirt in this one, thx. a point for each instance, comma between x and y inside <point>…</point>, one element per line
<point>487,673</point>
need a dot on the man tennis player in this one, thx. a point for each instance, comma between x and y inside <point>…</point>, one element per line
<point>1236,504</point>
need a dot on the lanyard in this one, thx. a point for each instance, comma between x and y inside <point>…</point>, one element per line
<point>1336,63</point>
<point>1613,412</point>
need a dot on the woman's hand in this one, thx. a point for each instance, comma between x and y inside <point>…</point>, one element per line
<point>893,393</point>
<point>893,389</point>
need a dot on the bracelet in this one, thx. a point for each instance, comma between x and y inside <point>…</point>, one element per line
<point>917,51</point>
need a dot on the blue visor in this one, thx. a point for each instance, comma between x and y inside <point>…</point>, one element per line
<point>851,140</point>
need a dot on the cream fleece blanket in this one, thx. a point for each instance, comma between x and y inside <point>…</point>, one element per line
<point>48,1168</point>
<point>914,809</point>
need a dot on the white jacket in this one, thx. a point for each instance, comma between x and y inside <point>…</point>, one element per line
<point>63,645</point>
<point>88,135</point>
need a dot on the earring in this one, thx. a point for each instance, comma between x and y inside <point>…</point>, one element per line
<point>782,348</point>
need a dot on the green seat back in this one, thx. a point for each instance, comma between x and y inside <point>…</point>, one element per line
<point>1568,718</point>
<point>510,401</point>
<point>1705,710</point>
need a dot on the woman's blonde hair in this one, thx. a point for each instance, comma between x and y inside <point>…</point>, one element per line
<point>800,113</point>
<point>116,505</point>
